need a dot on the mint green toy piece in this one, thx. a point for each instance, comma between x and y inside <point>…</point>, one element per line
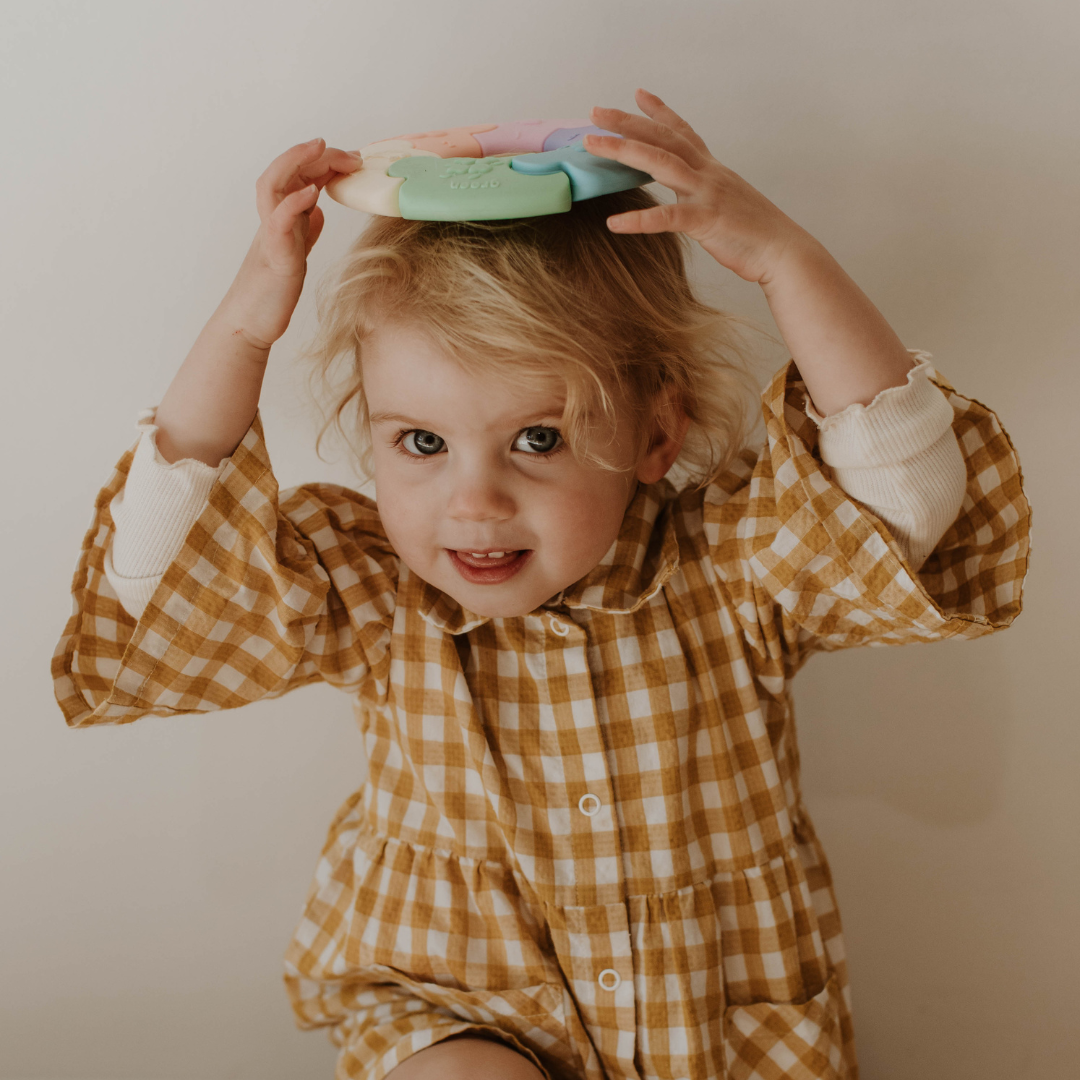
<point>476,189</point>
<point>588,174</point>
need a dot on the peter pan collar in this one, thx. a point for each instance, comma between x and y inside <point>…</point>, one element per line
<point>642,558</point>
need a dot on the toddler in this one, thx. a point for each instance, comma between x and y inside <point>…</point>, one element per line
<point>581,850</point>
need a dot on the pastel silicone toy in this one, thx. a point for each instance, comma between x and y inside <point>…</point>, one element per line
<point>483,172</point>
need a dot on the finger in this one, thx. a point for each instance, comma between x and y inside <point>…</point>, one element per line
<point>282,221</point>
<point>340,160</point>
<point>284,175</point>
<point>645,129</point>
<point>330,164</point>
<point>652,106</point>
<point>660,164</point>
<point>327,164</point>
<point>668,217</point>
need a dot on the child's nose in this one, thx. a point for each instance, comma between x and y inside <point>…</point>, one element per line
<point>480,497</point>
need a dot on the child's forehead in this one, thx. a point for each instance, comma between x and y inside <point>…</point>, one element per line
<point>421,414</point>
<point>405,369</point>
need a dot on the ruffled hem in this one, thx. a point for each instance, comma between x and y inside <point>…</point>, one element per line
<point>923,365</point>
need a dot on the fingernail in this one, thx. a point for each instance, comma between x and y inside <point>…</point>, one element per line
<point>312,142</point>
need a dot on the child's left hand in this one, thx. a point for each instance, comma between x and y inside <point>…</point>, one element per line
<point>731,220</point>
<point>845,350</point>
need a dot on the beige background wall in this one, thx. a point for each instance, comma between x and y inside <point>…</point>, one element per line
<point>150,875</point>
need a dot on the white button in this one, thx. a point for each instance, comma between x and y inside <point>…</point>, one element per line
<point>589,805</point>
<point>609,979</point>
<point>559,627</point>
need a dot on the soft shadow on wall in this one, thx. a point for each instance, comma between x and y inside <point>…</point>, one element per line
<point>932,733</point>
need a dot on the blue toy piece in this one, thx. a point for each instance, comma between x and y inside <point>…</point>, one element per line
<point>589,175</point>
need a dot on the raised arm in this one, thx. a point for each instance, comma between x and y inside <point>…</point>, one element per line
<point>213,397</point>
<point>845,350</point>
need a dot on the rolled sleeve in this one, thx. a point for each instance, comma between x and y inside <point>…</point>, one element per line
<point>808,567</point>
<point>267,592</point>
<point>899,457</point>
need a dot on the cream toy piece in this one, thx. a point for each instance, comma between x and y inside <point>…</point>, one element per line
<point>483,172</point>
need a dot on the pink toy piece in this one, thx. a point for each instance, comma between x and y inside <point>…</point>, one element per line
<point>451,142</point>
<point>563,137</point>
<point>522,136</point>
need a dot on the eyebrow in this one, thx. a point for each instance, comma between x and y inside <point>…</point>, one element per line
<point>425,425</point>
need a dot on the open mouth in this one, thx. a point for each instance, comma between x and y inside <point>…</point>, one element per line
<point>491,568</point>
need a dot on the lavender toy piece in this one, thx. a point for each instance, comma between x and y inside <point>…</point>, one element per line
<point>525,168</point>
<point>563,137</point>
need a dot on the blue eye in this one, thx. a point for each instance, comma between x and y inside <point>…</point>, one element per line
<point>538,440</point>
<point>423,443</point>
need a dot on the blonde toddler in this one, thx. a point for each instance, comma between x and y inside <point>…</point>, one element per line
<point>581,849</point>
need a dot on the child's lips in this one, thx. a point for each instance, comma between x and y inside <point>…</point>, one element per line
<point>484,570</point>
<point>483,561</point>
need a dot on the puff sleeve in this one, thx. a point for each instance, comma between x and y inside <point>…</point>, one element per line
<point>268,592</point>
<point>806,567</point>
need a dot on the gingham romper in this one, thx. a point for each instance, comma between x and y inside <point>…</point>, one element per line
<point>582,830</point>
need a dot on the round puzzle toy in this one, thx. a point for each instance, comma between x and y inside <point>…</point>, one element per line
<point>483,172</point>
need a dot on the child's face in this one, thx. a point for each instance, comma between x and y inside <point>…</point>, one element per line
<point>468,464</point>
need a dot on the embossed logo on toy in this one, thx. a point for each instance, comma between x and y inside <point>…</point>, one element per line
<point>473,173</point>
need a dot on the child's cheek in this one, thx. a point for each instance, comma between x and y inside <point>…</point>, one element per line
<point>582,521</point>
<point>406,511</point>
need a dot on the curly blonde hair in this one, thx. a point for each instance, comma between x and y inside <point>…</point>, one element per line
<point>611,317</point>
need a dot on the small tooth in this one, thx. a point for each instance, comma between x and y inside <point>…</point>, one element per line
<point>496,554</point>
<point>478,554</point>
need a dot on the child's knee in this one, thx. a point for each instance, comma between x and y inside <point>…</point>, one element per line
<point>466,1058</point>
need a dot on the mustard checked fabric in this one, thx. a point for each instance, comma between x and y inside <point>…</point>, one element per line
<point>582,830</point>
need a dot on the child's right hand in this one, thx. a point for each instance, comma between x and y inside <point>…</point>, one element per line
<point>262,298</point>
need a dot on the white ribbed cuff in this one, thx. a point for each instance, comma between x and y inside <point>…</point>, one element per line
<point>157,506</point>
<point>899,457</point>
<point>899,423</point>
<point>133,593</point>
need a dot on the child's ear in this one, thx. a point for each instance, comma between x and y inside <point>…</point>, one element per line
<point>669,425</point>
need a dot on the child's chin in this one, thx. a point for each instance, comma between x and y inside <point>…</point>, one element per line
<point>492,608</point>
<point>496,601</point>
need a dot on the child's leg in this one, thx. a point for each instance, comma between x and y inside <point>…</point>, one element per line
<point>466,1058</point>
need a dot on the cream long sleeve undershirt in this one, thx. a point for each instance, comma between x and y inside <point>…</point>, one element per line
<point>897,456</point>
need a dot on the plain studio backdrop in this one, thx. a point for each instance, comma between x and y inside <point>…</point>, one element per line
<point>152,873</point>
